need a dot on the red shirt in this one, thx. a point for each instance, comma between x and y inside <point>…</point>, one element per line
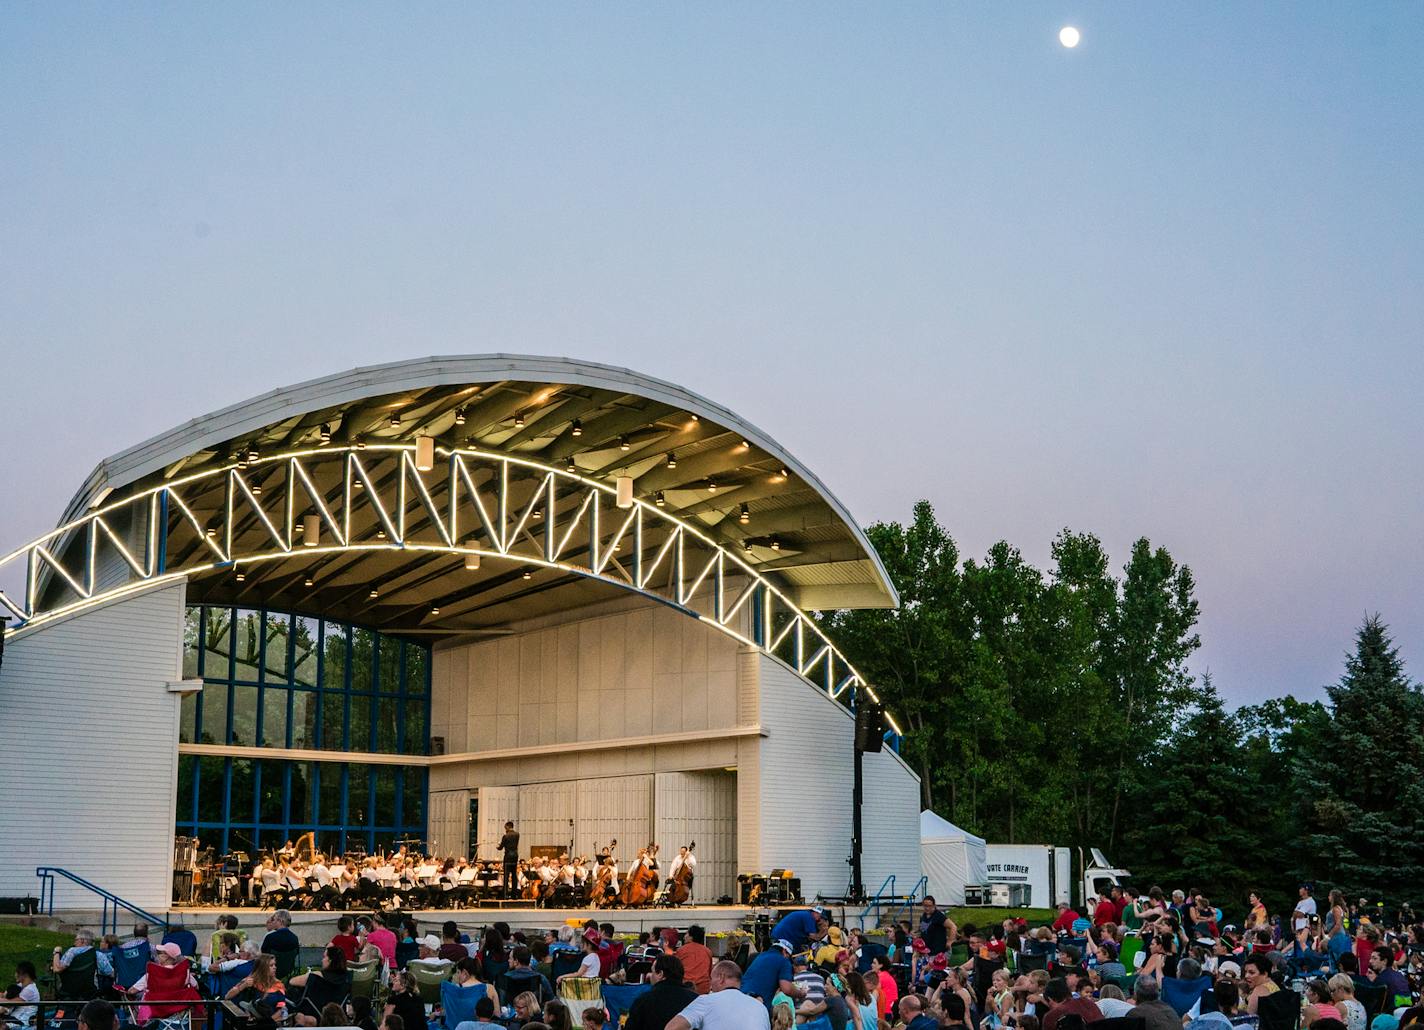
<point>348,944</point>
<point>1106,912</point>
<point>696,966</point>
<point>1072,1007</point>
<point>1064,922</point>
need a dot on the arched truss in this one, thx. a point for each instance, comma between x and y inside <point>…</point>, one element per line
<point>470,502</point>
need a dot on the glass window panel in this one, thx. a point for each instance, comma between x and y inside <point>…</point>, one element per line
<point>210,789</point>
<point>246,649</point>
<point>273,839</point>
<point>417,668</point>
<point>360,739</point>
<point>416,739</point>
<point>274,716</point>
<point>211,838</point>
<point>305,641</point>
<point>358,802</point>
<point>300,794</point>
<point>390,665</point>
<point>385,796</point>
<point>273,791</point>
<point>274,667</point>
<point>413,810</point>
<point>329,807</point>
<point>333,673</point>
<point>329,841</point>
<point>244,716</point>
<point>386,711</point>
<point>187,769</point>
<point>243,785</point>
<point>363,655</point>
<point>217,642</point>
<point>304,708</point>
<point>213,727</point>
<point>333,716</point>
<point>188,718</point>
<point>192,641</point>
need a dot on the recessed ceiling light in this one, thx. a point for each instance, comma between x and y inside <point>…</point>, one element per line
<point>460,416</point>
<point>746,514</point>
<point>576,429</point>
<point>658,499</point>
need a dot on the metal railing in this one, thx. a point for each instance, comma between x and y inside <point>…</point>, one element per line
<point>885,893</point>
<point>908,902</point>
<point>112,903</point>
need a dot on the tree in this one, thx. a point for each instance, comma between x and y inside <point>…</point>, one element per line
<point>1194,819</point>
<point>911,653</point>
<point>1360,787</point>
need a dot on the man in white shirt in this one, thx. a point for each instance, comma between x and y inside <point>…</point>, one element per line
<point>725,1008</point>
<point>323,884</point>
<point>1304,908</point>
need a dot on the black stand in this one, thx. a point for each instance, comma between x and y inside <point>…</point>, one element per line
<point>857,881</point>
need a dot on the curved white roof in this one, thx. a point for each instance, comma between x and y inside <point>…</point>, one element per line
<point>526,405</point>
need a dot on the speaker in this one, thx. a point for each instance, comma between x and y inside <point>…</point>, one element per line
<point>869,725</point>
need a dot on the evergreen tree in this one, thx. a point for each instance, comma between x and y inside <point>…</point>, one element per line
<point>1360,786</point>
<point>1194,820</point>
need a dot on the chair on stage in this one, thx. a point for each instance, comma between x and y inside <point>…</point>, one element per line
<point>459,1002</point>
<point>428,979</point>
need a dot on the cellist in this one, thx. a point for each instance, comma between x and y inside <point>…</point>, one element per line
<point>684,865</point>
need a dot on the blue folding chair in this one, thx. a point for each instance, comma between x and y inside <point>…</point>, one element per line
<point>186,940</point>
<point>1183,994</point>
<point>459,1002</point>
<point>130,963</point>
<point>619,999</point>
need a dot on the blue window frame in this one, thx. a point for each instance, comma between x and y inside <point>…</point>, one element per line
<point>281,680</point>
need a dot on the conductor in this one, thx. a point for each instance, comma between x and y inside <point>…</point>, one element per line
<point>509,845</point>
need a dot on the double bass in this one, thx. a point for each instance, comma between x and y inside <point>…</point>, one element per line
<point>680,889</point>
<point>641,885</point>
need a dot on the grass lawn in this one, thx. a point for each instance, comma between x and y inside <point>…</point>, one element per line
<point>25,942</point>
<point>981,917</point>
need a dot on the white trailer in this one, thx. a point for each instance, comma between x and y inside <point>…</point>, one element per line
<point>1047,872</point>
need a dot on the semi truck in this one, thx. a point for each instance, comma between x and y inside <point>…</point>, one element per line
<point>1041,876</point>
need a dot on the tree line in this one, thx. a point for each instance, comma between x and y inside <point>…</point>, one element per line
<point>1056,706</point>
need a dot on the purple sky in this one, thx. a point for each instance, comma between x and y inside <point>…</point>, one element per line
<point>1168,283</point>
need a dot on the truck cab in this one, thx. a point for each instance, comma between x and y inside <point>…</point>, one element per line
<point>1100,876</point>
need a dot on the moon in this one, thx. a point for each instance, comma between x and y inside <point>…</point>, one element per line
<point>1069,36</point>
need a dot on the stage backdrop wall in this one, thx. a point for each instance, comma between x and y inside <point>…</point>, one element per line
<point>89,750</point>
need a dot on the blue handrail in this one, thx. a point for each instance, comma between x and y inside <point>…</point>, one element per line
<point>874,903</point>
<point>908,902</point>
<point>112,902</point>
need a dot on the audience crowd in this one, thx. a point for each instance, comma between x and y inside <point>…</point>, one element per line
<point>1128,961</point>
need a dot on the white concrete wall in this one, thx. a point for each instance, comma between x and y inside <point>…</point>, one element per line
<point>89,750</point>
<point>806,780</point>
<point>638,671</point>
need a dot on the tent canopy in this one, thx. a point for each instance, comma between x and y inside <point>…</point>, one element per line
<point>936,828</point>
<point>951,857</point>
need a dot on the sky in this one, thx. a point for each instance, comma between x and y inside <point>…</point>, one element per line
<point>1167,283</point>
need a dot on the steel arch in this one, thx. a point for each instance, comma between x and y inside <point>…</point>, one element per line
<point>480,502</point>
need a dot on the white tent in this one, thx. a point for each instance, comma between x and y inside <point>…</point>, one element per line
<point>951,858</point>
